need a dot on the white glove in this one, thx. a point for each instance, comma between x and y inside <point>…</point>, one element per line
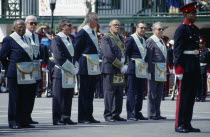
<point>171,71</point>
<point>208,75</point>
<point>179,76</point>
<point>122,60</point>
<point>124,69</point>
<point>149,76</point>
<point>43,69</point>
<point>75,71</point>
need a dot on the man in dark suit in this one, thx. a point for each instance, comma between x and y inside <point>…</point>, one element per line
<point>187,68</point>
<point>63,75</point>
<point>113,69</point>
<point>136,51</point>
<point>16,50</point>
<point>86,53</point>
<point>156,58</point>
<point>40,56</point>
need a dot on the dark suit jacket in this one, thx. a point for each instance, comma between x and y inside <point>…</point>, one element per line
<point>10,54</point>
<point>154,54</point>
<point>132,51</point>
<point>83,45</point>
<point>186,38</point>
<point>60,54</point>
<point>110,51</point>
<point>204,58</point>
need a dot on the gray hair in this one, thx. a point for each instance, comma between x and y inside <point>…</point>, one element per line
<point>111,22</point>
<point>15,23</point>
<point>30,17</point>
<point>154,26</point>
<point>90,17</point>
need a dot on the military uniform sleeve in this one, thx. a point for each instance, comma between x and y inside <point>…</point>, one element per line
<point>178,50</point>
<point>108,54</point>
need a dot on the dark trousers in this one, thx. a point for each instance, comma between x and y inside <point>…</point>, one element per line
<point>32,101</point>
<point>20,97</point>
<point>39,87</point>
<point>202,90</point>
<point>61,100</point>
<point>135,95</point>
<point>188,87</point>
<point>155,91</point>
<point>99,87</point>
<point>86,95</point>
<point>113,98</point>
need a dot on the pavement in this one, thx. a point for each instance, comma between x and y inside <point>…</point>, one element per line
<point>147,128</point>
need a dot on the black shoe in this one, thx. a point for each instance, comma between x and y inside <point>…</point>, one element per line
<point>84,121</point>
<point>15,126</point>
<point>33,122</point>
<point>94,121</point>
<point>141,118</point>
<point>160,117</point>
<point>69,122</point>
<point>119,119</point>
<point>58,123</point>
<point>154,118</point>
<point>109,120</point>
<point>181,129</point>
<point>26,125</point>
<point>194,129</point>
<point>132,119</point>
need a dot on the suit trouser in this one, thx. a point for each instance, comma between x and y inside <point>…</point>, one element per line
<point>188,87</point>
<point>155,91</point>
<point>99,86</point>
<point>32,101</point>
<point>61,100</point>
<point>113,98</point>
<point>86,95</point>
<point>201,94</point>
<point>135,96</point>
<point>19,97</point>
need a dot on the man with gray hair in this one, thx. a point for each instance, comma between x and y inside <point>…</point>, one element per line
<point>156,58</point>
<point>86,53</point>
<point>113,69</point>
<point>40,55</point>
<point>16,55</point>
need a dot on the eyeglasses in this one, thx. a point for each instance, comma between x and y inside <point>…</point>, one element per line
<point>33,23</point>
<point>69,25</point>
<point>143,28</point>
<point>116,25</point>
<point>160,29</point>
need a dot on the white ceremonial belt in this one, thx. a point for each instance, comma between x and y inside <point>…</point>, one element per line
<point>57,66</point>
<point>203,64</point>
<point>194,52</point>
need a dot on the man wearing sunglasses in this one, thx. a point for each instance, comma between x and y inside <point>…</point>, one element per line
<point>40,56</point>
<point>136,51</point>
<point>187,68</point>
<point>156,58</point>
<point>63,74</point>
<point>86,53</point>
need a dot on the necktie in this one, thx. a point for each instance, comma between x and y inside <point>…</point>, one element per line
<point>68,39</point>
<point>22,38</point>
<point>33,37</point>
<point>141,40</point>
<point>161,41</point>
<point>93,32</point>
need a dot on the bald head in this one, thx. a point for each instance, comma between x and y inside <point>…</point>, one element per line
<point>114,26</point>
<point>19,27</point>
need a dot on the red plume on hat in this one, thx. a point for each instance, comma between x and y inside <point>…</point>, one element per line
<point>191,7</point>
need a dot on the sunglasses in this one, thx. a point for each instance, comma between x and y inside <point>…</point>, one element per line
<point>160,29</point>
<point>33,23</point>
<point>143,28</point>
<point>69,25</point>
